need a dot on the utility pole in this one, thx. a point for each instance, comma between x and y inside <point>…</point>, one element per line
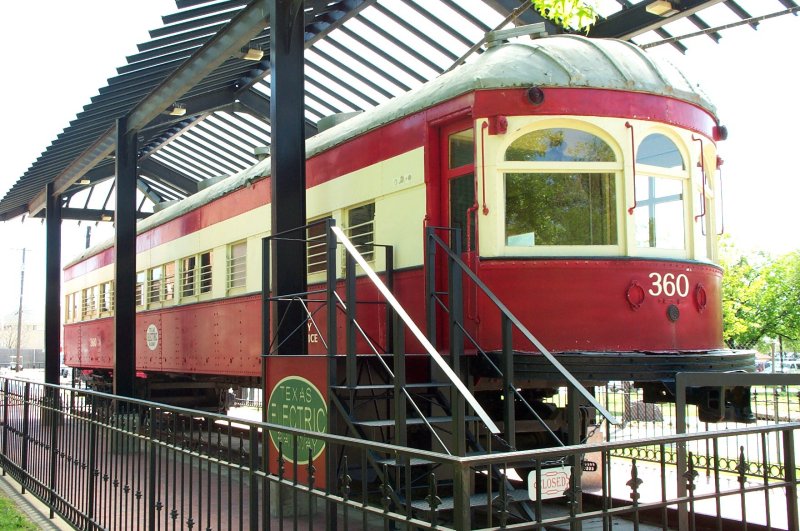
<point>19,313</point>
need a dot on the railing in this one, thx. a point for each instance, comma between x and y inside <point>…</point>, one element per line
<point>102,462</point>
<point>458,332</point>
<point>397,317</point>
<point>452,378</point>
<point>773,403</point>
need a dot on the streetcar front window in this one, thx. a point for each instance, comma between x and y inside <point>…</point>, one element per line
<point>659,213</point>
<point>560,209</point>
<point>559,145</point>
<point>559,190</point>
<point>659,217</point>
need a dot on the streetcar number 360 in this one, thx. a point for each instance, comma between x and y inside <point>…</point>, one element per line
<point>669,285</point>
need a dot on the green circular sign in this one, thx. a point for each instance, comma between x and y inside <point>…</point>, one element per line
<point>297,403</point>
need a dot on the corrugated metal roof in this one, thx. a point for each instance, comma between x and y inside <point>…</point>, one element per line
<point>359,53</point>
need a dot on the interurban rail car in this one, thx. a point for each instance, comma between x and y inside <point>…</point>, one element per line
<point>582,173</point>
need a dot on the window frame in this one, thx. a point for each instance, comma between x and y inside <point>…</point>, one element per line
<point>615,168</point>
<point>235,280</point>
<point>684,176</point>
<point>347,230</point>
<point>106,298</point>
<point>202,277</point>
<point>319,268</point>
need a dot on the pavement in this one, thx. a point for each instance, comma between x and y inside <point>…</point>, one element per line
<point>30,506</point>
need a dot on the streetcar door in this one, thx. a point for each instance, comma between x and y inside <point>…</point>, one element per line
<point>459,209</point>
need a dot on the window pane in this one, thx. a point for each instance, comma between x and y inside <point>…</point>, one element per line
<point>659,211</point>
<point>237,264</point>
<point>205,272</point>
<point>560,209</point>
<point>154,293</point>
<point>315,248</point>
<point>658,150</point>
<point>140,278</point>
<point>169,281</point>
<point>462,148</point>
<point>188,270</point>
<point>462,198</point>
<point>560,145</point>
<point>105,297</point>
<point>361,229</point>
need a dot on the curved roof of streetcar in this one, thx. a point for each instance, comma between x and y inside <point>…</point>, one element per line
<point>559,61</point>
<point>359,54</point>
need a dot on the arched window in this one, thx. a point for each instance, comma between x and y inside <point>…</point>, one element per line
<point>560,189</point>
<point>659,217</point>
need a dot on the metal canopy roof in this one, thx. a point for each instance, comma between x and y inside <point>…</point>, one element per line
<point>359,53</point>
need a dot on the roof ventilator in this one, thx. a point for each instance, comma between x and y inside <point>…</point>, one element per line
<point>498,37</point>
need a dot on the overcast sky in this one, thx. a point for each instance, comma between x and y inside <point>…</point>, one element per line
<point>55,55</point>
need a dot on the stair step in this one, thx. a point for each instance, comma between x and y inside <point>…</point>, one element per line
<point>475,500</point>
<point>389,387</point>
<point>415,421</point>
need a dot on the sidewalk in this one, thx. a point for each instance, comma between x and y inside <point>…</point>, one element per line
<point>30,506</point>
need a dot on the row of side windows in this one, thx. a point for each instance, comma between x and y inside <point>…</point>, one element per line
<point>189,278</point>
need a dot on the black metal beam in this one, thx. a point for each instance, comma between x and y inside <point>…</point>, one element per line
<point>530,16</point>
<point>94,214</point>
<point>740,12</point>
<point>52,293</point>
<point>347,9</point>
<point>288,182</point>
<point>635,20</point>
<point>159,142</point>
<point>168,175</point>
<point>125,262</point>
<point>95,175</point>
<point>224,44</point>
<point>11,214</point>
<point>186,14</point>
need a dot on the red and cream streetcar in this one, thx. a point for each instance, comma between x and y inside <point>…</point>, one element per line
<point>583,174</point>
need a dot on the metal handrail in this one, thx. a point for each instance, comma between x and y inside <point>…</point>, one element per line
<point>429,348</point>
<point>573,383</point>
<point>391,374</point>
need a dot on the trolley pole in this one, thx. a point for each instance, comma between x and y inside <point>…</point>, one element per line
<point>19,313</point>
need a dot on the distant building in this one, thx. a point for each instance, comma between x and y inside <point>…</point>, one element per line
<point>31,346</point>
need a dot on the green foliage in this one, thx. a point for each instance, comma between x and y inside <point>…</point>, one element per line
<point>760,298</point>
<point>10,517</point>
<point>575,14</point>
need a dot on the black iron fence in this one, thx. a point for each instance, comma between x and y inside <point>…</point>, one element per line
<point>106,463</point>
<point>770,405</point>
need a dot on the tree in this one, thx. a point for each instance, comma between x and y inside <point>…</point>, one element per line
<point>781,297</point>
<point>8,332</point>
<point>760,298</point>
<point>576,14</point>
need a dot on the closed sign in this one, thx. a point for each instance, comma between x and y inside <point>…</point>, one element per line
<point>555,481</point>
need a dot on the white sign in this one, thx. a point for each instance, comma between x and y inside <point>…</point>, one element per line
<point>151,336</point>
<point>555,481</point>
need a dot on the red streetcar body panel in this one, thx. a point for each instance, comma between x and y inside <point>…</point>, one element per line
<point>596,102</point>
<point>582,305</point>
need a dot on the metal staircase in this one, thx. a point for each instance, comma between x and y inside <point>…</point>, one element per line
<point>423,400</point>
